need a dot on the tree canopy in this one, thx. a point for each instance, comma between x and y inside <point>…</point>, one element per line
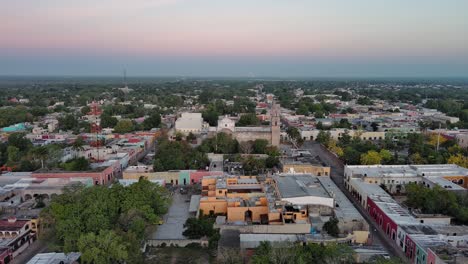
<point>105,224</point>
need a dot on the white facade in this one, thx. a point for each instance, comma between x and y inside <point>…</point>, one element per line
<point>189,122</point>
<point>226,123</point>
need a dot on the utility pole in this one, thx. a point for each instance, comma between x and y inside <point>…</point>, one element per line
<point>438,138</point>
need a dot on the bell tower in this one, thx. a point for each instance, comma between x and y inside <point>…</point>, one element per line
<point>275,124</point>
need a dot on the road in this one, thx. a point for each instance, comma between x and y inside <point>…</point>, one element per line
<point>337,175</point>
<point>175,218</point>
<point>39,246</point>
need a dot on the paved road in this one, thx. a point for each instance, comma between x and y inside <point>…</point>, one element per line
<point>175,218</point>
<point>337,174</point>
<point>39,246</point>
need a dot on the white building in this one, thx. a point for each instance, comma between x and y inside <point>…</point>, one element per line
<point>190,122</point>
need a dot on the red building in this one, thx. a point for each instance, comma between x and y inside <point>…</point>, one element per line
<point>5,255</point>
<point>388,214</point>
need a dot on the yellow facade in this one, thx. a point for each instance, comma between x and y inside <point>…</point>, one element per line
<point>171,177</point>
<point>306,168</point>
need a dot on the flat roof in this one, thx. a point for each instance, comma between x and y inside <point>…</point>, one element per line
<point>344,209</point>
<point>299,185</point>
<point>438,170</point>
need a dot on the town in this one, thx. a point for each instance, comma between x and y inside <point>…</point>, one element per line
<point>201,170</point>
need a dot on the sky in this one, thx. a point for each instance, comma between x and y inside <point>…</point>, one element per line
<point>238,38</point>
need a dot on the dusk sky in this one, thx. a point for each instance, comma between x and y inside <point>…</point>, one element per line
<point>283,38</point>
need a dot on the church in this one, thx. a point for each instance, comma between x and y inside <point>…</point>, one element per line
<point>270,132</point>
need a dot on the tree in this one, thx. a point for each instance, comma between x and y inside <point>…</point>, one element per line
<point>385,155</point>
<point>40,153</point>
<point>98,221</point>
<point>191,137</point>
<point>105,248</point>
<point>19,141</point>
<point>69,122</point>
<point>295,135</point>
<point>108,121</point>
<point>374,126</point>
<point>323,137</point>
<point>332,146</point>
<point>331,227</point>
<point>416,158</point>
<point>435,139</point>
<point>458,159</point>
<point>196,228</point>
<point>345,139</point>
<point>372,157</point>
<point>124,126</point>
<point>249,119</point>
<point>85,110</point>
<point>78,145</point>
<point>246,147</point>
<point>13,154</point>
<point>153,121</point>
<point>259,146</point>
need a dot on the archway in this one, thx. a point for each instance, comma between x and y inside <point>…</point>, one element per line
<point>248,216</point>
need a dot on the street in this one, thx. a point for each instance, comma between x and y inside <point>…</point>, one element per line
<point>337,175</point>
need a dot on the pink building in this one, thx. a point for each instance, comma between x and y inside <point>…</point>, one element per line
<point>99,177</point>
<point>197,176</point>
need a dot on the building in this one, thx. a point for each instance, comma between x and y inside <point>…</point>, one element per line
<point>16,234</point>
<point>301,161</point>
<point>271,133</point>
<point>56,258</point>
<point>422,238</point>
<point>248,205</point>
<point>395,177</point>
<point>190,122</point>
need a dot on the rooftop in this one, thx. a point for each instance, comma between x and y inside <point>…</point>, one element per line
<point>299,185</point>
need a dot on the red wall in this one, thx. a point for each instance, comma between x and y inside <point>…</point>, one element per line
<point>410,248</point>
<point>382,219</point>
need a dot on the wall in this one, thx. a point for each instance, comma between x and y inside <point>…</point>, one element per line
<point>383,220</point>
<point>306,168</point>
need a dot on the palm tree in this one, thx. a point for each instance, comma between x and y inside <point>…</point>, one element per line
<point>77,145</point>
<point>40,153</point>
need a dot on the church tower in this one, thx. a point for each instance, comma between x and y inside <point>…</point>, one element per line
<point>275,124</point>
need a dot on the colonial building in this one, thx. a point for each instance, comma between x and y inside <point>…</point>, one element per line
<point>271,133</point>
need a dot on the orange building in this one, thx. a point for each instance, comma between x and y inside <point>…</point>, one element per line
<point>244,199</point>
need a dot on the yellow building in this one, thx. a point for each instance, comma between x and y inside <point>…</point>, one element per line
<point>304,165</point>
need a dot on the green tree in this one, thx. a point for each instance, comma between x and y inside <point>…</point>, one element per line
<point>13,154</point>
<point>331,227</point>
<point>259,146</point>
<point>323,137</point>
<point>153,121</point>
<point>41,153</point>
<point>372,157</point>
<point>295,135</point>
<point>124,126</point>
<point>196,228</point>
<point>19,141</point>
<point>85,110</point>
<point>105,248</point>
<point>249,119</point>
<point>108,121</point>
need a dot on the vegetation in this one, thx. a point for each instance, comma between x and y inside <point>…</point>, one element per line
<point>438,201</point>
<point>76,164</point>
<point>178,155</point>
<point>310,253</point>
<point>331,227</point>
<point>107,225</point>
<point>249,119</point>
